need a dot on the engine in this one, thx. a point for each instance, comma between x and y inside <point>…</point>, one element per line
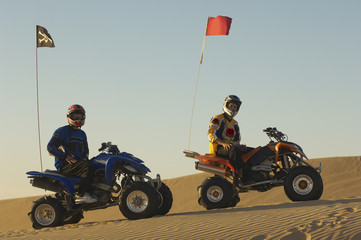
<point>265,166</point>
<point>103,196</point>
<point>261,172</point>
<point>103,189</point>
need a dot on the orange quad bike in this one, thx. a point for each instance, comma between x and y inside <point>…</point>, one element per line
<point>279,163</point>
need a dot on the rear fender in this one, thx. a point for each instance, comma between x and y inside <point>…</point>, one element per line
<point>68,182</point>
<point>213,158</point>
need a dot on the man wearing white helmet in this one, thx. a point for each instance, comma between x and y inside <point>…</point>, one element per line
<point>224,134</point>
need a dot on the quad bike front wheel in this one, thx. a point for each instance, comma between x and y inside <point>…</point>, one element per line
<point>138,200</point>
<point>216,192</point>
<point>303,183</point>
<point>166,200</point>
<point>46,212</point>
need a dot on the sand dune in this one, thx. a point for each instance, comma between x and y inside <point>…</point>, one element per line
<point>269,215</point>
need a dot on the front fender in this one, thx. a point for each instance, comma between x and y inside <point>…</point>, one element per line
<point>290,147</point>
<point>123,158</point>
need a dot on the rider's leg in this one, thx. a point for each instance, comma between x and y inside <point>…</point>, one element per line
<point>233,154</point>
<point>83,169</point>
<point>246,174</point>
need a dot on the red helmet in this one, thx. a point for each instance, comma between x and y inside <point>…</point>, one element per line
<point>76,122</point>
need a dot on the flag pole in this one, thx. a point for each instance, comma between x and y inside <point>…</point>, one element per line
<point>204,42</point>
<point>195,90</point>
<point>37,99</point>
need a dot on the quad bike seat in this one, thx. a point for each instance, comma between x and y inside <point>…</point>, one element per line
<point>54,172</point>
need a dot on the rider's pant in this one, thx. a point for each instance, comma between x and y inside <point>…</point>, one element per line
<point>81,168</point>
<point>233,154</point>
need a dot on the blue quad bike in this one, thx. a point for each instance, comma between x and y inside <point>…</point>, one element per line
<point>120,180</point>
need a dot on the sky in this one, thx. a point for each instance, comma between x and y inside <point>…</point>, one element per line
<point>133,66</point>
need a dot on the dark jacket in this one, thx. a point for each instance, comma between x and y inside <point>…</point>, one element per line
<point>68,141</point>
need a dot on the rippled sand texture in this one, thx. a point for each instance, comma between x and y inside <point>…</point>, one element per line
<point>258,216</point>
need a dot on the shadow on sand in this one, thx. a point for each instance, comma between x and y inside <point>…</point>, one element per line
<point>271,207</point>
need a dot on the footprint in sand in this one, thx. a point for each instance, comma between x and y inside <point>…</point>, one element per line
<point>338,221</point>
<point>333,214</point>
<point>296,235</point>
<point>86,225</point>
<point>357,236</point>
<point>260,237</point>
<point>112,222</point>
<point>316,224</point>
<point>351,210</point>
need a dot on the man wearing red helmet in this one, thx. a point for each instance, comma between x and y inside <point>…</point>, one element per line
<point>69,145</point>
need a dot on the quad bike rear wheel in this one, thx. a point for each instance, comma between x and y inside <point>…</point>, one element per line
<point>166,200</point>
<point>46,212</point>
<point>216,192</point>
<point>235,200</point>
<point>138,200</point>
<point>75,218</point>
<point>303,183</point>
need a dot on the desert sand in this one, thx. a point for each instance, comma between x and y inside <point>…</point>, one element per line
<point>268,215</point>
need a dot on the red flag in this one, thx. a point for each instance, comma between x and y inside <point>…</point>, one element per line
<point>218,26</point>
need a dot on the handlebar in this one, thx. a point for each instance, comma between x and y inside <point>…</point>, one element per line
<point>269,129</point>
<point>274,133</point>
<point>104,146</point>
<point>109,148</point>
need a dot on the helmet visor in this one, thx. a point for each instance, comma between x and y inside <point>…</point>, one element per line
<point>77,115</point>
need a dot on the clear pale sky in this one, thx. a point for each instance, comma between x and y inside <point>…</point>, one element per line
<point>133,66</point>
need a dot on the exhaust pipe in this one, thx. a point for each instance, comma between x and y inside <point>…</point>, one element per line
<point>102,186</point>
<point>209,168</point>
<point>115,188</point>
<point>47,184</point>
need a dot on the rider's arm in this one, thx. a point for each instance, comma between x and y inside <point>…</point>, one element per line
<point>219,141</point>
<point>54,144</point>
<point>237,138</point>
<point>214,125</point>
<point>86,150</point>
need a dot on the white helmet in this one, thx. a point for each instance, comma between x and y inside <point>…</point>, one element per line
<point>233,99</point>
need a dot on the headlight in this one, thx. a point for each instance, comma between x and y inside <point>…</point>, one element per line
<point>296,147</point>
<point>130,168</point>
<point>104,162</point>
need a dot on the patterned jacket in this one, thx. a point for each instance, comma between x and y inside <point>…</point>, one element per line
<point>221,128</point>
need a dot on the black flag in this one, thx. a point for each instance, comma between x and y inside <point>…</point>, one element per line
<point>43,38</point>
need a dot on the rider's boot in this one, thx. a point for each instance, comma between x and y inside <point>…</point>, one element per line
<point>86,198</point>
<point>246,175</point>
<point>248,181</point>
